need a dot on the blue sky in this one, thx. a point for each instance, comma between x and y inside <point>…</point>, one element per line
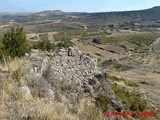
<point>75,5</point>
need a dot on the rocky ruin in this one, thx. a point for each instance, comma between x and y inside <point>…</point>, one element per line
<point>66,64</point>
<point>44,70</point>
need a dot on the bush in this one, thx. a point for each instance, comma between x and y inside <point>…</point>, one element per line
<point>64,40</point>
<point>44,43</point>
<point>131,101</point>
<point>14,43</point>
<point>91,113</point>
<point>17,75</point>
<point>57,96</point>
<point>66,43</point>
<point>102,101</point>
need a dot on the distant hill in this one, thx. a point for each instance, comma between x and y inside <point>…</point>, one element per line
<point>139,15</point>
<point>124,19</point>
<point>152,14</point>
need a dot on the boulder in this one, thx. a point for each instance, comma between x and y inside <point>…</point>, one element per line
<point>25,92</point>
<point>71,51</point>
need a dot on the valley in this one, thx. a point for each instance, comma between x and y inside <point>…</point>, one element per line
<point>113,64</point>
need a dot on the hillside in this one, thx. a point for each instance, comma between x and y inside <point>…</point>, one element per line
<point>121,20</point>
<point>80,66</point>
<point>65,85</point>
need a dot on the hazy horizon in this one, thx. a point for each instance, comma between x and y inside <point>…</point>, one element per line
<point>75,5</point>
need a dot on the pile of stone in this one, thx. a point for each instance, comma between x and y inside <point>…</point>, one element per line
<point>67,64</point>
<point>44,69</point>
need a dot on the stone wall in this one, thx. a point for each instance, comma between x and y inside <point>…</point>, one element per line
<point>47,71</point>
<point>66,64</point>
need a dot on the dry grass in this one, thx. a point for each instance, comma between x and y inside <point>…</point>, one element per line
<point>12,64</point>
<point>13,106</point>
<point>38,109</point>
<point>46,109</point>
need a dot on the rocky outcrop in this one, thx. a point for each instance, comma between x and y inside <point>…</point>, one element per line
<point>67,64</point>
<point>69,70</point>
<point>25,92</point>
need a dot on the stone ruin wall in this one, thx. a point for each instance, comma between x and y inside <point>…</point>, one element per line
<point>68,64</point>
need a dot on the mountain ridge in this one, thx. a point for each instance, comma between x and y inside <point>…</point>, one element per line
<point>55,11</point>
<point>152,8</point>
<point>74,20</point>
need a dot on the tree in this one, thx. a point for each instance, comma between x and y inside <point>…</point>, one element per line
<point>44,43</point>
<point>66,43</point>
<point>64,40</point>
<point>14,42</point>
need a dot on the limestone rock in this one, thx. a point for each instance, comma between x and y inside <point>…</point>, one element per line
<point>45,71</point>
<point>26,94</point>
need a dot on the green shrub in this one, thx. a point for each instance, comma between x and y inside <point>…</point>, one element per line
<point>64,40</point>
<point>102,101</point>
<point>57,96</point>
<point>14,43</point>
<point>17,75</point>
<point>91,113</point>
<point>67,86</point>
<point>137,104</point>
<point>66,43</point>
<point>131,101</point>
<point>44,43</point>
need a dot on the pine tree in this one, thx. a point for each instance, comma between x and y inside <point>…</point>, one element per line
<point>14,42</point>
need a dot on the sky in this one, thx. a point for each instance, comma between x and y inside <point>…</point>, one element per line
<point>75,5</point>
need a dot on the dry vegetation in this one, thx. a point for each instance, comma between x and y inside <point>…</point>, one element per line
<point>13,105</point>
<point>130,57</point>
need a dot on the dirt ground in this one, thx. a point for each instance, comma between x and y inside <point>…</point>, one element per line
<point>146,75</point>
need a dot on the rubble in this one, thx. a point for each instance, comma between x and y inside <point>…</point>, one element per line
<point>44,70</point>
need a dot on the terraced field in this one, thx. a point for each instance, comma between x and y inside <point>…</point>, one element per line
<point>112,48</point>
